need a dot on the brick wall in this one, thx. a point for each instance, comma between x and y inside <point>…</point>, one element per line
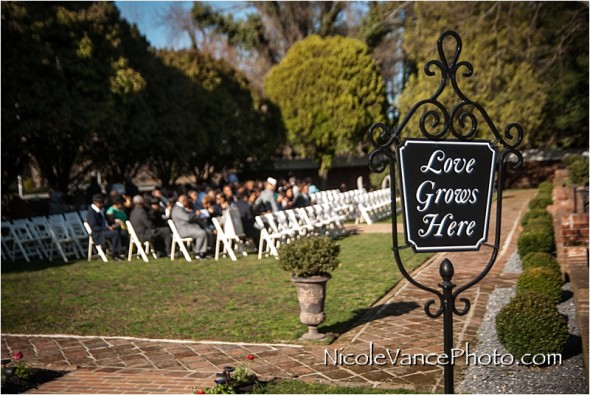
<point>571,241</point>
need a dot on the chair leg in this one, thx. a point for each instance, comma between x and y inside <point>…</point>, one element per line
<point>130,254</point>
<point>173,250</point>
<point>90,243</point>
<point>217,242</point>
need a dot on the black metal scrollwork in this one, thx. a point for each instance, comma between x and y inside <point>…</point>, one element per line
<point>436,123</point>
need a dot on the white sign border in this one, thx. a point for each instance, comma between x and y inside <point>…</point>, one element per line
<point>477,245</point>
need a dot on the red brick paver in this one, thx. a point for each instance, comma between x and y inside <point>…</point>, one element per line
<point>127,365</point>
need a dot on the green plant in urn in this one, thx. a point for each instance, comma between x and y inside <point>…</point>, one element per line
<point>310,261</point>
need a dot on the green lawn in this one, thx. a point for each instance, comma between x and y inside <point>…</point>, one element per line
<point>248,300</point>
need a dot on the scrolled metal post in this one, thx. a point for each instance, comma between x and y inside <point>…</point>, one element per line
<point>388,148</point>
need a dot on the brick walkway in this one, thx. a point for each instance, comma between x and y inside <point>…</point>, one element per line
<point>127,365</point>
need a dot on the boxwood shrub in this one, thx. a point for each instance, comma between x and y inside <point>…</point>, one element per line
<point>536,213</point>
<point>542,280</point>
<point>309,256</point>
<point>537,237</point>
<point>546,187</point>
<point>540,259</point>
<point>540,201</point>
<point>530,323</point>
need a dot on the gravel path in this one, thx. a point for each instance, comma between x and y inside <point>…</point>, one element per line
<point>569,377</point>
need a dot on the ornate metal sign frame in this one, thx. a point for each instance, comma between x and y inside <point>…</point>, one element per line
<point>461,122</point>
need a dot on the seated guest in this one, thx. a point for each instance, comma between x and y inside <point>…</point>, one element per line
<point>146,230</point>
<point>156,213</point>
<point>185,220</point>
<point>266,202</point>
<point>101,230</point>
<point>247,217</point>
<point>116,217</point>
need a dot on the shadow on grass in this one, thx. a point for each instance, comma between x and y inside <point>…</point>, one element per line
<point>363,316</point>
<point>33,266</point>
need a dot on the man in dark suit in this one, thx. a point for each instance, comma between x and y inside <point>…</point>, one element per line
<point>101,230</point>
<point>146,230</point>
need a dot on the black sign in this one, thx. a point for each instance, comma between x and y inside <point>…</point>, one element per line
<point>447,192</point>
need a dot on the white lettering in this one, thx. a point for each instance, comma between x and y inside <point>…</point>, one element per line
<point>449,165</point>
<point>446,226</point>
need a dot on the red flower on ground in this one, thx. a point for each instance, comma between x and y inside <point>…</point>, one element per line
<point>250,357</point>
<point>17,356</point>
<point>200,392</point>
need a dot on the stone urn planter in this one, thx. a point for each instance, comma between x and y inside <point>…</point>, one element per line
<point>310,260</point>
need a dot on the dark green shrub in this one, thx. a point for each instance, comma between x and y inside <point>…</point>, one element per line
<point>536,238</point>
<point>536,213</point>
<point>530,323</point>
<point>309,256</point>
<point>579,172</point>
<point>540,201</point>
<point>546,187</point>
<point>540,259</point>
<point>546,222</point>
<point>542,280</point>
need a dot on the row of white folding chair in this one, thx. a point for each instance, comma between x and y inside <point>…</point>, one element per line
<point>39,237</point>
<point>374,206</point>
<point>18,242</point>
<point>343,203</point>
<point>285,226</point>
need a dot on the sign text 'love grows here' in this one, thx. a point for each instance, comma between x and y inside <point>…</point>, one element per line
<point>447,191</point>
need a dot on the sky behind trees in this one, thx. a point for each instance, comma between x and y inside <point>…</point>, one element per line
<point>147,15</point>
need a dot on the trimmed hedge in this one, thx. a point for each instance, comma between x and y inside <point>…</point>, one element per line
<point>537,237</point>
<point>545,187</point>
<point>542,200</point>
<point>531,324</point>
<point>536,213</point>
<point>542,280</point>
<point>540,259</point>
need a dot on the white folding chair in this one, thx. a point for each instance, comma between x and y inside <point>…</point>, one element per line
<point>222,237</point>
<point>58,223</point>
<point>269,242</point>
<point>62,242</point>
<point>180,241</point>
<point>297,224</point>
<point>91,244</point>
<point>75,226</point>
<point>134,242</point>
<point>39,228</point>
<point>11,245</point>
<point>30,246</point>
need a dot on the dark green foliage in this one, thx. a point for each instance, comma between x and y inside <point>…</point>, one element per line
<point>309,256</point>
<point>87,92</point>
<point>540,201</point>
<point>329,91</point>
<point>531,69</point>
<point>531,324</point>
<point>540,259</point>
<point>537,213</point>
<point>537,238</point>
<point>545,187</point>
<point>542,280</point>
<point>578,170</point>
